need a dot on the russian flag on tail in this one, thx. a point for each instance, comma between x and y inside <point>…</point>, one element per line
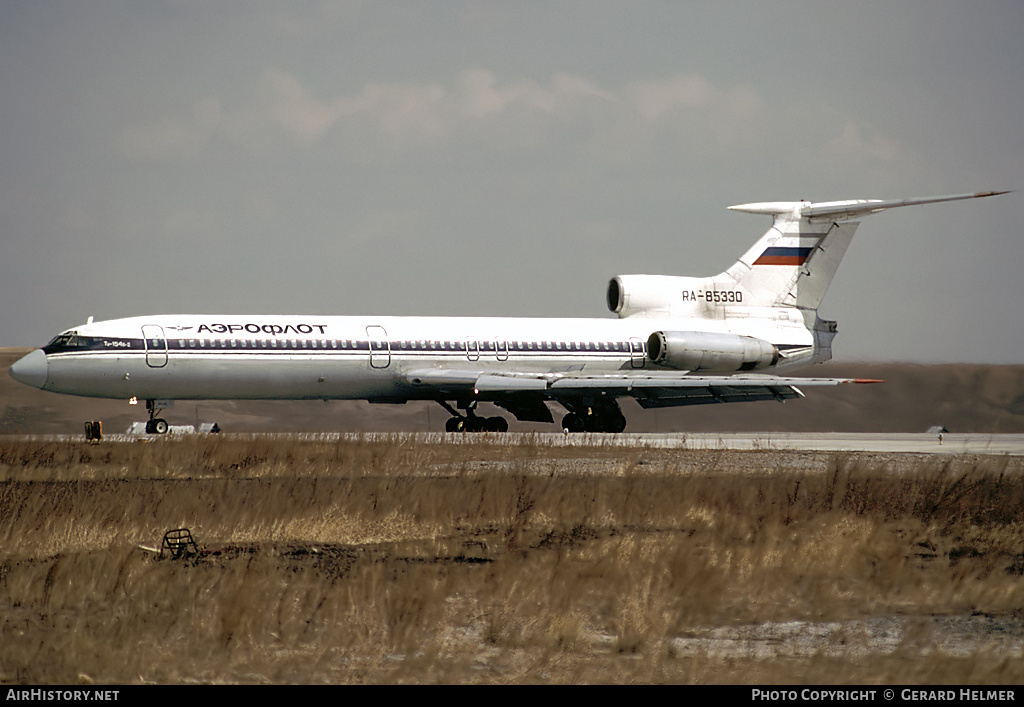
<point>781,255</point>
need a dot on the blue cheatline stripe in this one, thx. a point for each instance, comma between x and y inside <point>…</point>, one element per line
<point>335,347</point>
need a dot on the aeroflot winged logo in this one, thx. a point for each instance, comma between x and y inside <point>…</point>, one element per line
<point>261,328</point>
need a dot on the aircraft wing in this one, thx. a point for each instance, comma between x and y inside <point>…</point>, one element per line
<point>650,389</point>
<point>664,391</point>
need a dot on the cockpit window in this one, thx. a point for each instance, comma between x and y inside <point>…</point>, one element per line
<point>69,340</point>
<point>63,340</point>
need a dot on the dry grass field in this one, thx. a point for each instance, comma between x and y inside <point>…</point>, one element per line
<point>397,561</point>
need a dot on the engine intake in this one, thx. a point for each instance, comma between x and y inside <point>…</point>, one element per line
<point>646,295</point>
<point>709,351</point>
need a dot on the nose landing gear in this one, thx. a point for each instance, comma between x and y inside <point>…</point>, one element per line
<point>155,425</point>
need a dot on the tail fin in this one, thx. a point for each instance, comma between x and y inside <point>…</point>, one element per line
<point>794,262</point>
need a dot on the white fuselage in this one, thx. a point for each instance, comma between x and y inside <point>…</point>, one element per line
<point>195,357</point>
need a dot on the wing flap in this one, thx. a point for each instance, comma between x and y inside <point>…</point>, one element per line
<point>653,389</point>
<point>674,397</point>
<point>490,382</point>
<point>684,381</point>
<point>447,378</point>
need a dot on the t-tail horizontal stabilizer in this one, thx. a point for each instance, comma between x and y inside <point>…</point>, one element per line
<point>845,210</point>
<point>795,260</point>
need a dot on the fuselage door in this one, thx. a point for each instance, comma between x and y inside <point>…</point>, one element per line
<point>636,352</point>
<point>156,345</point>
<point>472,349</point>
<point>380,346</point>
<point>501,349</point>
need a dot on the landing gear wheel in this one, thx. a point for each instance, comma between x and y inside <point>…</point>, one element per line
<point>617,423</point>
<point>476,424</point>
<point>595,420</point>
<point>574,423</point>
<point>470,422</point>
<point>496,424</point>
<point>156,425</point>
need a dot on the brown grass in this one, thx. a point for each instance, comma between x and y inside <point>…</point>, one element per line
<point>364,561</point>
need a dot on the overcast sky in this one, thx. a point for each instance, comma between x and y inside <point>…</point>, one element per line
<point>505,158</point>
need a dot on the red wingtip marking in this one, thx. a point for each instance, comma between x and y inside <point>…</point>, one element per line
<point>867,380</point>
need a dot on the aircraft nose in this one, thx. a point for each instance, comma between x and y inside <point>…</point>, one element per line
<point>30,369</point>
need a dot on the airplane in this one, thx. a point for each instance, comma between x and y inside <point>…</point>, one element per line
<point>677,341</point>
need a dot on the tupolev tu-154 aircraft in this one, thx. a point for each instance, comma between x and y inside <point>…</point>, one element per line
<point>677,341</point>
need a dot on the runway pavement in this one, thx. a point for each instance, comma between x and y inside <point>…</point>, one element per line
<point>760,441</point>
<point>806,442</point>
<point>948,444</point>
<point>839,442</point>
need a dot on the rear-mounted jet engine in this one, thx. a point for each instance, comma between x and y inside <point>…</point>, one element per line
<point>709,351</point>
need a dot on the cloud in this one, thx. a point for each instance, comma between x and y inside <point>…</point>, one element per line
<point>174,137</point>
<point>478,96</point>
<point>283,109</point>
<point>686,113</point>
<point>657,100</point>
<point>863,142</point>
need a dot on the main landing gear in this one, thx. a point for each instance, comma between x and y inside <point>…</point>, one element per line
<point>592,416</point>
<point>595,418</point>
<point>156,425</point>
<point>470,422</point>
